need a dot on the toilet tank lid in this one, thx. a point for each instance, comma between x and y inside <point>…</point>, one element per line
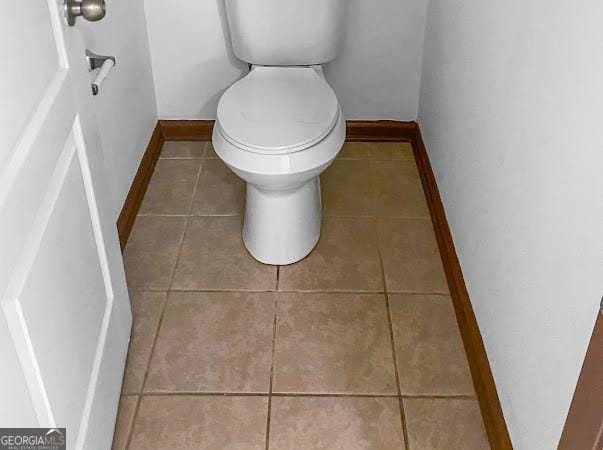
<point>278,110</point>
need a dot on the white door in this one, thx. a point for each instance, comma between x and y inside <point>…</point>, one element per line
<point>65,316</point>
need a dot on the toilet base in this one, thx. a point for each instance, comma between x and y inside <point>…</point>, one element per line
<point>282,227</point>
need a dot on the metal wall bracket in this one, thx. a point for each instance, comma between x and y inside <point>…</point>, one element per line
<point>96,61</point>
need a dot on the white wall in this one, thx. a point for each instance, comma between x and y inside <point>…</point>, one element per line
<point>376,76</point>
<point>126,106</point>
<point>511,109</point>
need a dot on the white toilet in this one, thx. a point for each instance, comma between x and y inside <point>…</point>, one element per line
<point>281,125</point>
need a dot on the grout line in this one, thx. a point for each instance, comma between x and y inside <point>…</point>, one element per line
<point>181,158</point>
<point>186,223</point>
<point>203,394</point>
<point>391,337</point>
<point>157,329</point>
<point>332,395</point>
<point>400,398</point>
<point>251,291</point>
<point>188,215</point>
<point>278,276</point>
<point>133,424</point>
<point>318,291</point>
<point>298,291</point>
<point>271,372</point>
<point>325,216</point>
<point>195,187</point>
<point>300,394</point>
<point>441,397</point>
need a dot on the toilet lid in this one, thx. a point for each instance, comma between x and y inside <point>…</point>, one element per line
<point>278,110</point>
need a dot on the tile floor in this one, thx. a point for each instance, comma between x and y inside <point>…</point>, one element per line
<point>355,347</point>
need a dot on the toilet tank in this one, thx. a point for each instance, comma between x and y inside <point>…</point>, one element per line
<point>286,32</point>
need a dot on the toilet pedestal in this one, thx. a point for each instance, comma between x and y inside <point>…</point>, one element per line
<point>282,227</point>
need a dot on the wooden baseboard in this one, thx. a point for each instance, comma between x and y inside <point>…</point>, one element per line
<point>187,130</point>
<point>356,130</point>
<point>584,423</point>
<point>483,380</point>
<point>381,131</point>
<point>126,219</point>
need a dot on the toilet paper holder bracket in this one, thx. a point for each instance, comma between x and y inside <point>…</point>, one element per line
<point>103,63</point>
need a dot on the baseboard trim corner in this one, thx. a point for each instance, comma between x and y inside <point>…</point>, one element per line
<point>483,379</point>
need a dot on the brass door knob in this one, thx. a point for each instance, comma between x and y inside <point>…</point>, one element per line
<point>91,10</point>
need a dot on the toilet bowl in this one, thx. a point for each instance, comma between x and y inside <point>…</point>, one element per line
<point>281,125</point>
<point>278,128</point>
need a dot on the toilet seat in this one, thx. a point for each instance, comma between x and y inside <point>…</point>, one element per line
<point>278,110</point>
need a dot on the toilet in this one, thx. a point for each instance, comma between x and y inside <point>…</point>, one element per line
<point>281,126</point>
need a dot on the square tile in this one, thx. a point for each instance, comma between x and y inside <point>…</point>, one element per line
<point>213,257</point>
<point>171,187</point>
<point>152,250</point>
<point>411,258</point>
<point>444,424</point>
<point>183,149</point>
<point>377,150</point>
<point>335,423</point>
<point>333,343</point>
<point>219,191</point>
<point>346,258</point>
<point>398,189</point>
<point>347,190</point>
<point>193,422</point>
<point>429,349</point>
<point>123,424</point>
<point>214,342</point>
<point>146,312</point>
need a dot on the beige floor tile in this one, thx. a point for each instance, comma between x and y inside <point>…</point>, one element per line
<point>215,422</point>
<point>219,192</point>
<point>346,189</point>
<point>346,258</point>
<point>213,257</point>
<point>376,150</point>
<point>146,311</point>
<point>356,150</point>
<point>392,150</point>
<point>429,350</point>
<point>171,188</point>
<point>335,423</point>
<point>333,343</point>
<point>183,149</point>
<point>125,418</point>
<point>411,258</point>
<point>398,189</point>
<point>152,250</point>
<point>444,424</point>
<point>214,342</point>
